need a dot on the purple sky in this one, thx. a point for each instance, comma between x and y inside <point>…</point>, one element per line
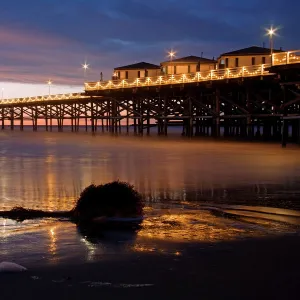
<point>42,39</point>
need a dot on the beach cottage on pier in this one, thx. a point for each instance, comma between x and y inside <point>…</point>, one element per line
<point>188,64</point>
<point>246,57</point>
<point>138,70</point>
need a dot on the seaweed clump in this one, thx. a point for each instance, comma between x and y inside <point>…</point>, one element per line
<point>114,199</point>
<point>20,214</point>
<point>96,203</point>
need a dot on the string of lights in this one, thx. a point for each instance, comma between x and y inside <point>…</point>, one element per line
<point>71,96</point>
<point>180,78</point>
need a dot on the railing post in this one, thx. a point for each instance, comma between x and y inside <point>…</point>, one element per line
<point>287,57</point>
<point>272,59</point>
<point>262,70</point>
<point>3,118</point>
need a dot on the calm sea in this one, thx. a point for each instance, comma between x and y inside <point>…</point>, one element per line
<point>183,182</point>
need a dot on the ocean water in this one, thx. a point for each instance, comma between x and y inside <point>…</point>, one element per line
<point>187,185</point>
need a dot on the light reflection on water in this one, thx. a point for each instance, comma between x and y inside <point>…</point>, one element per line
<point>48,170</point>
<point>177,177</point>
<point>164,231</point>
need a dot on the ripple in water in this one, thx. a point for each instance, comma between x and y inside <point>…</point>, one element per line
<point>164,231</point>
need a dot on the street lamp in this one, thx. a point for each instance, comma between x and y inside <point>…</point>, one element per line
<point>171,54</point>
<point>85,66</point>
<point>49,82</point>
<point>271,32</point>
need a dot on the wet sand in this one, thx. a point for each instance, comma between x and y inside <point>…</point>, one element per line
<point>266,268</point>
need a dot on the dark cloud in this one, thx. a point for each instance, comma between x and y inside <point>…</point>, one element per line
<point>51,38</point>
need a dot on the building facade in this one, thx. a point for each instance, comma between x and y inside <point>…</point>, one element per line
<point>188,64</point>
<point>245,57</point>
<point>138,70</point>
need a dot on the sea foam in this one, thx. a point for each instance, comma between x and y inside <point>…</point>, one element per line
<point>11,267</point>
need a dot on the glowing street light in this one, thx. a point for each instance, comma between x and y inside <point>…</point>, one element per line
<point>49,82</point>
<point>85,67</point>
<point>271,32</point>
<point>171,54</point>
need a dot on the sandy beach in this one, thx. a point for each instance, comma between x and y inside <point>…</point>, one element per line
<point>249,269</point>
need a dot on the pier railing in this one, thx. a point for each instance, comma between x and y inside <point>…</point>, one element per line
<point>220,74</point>
<point>58,97</point>
<point>286,58</point>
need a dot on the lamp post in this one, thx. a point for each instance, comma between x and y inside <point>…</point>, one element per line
<point>171,54</point>
<point>271,32</point>
<point>49,82</point>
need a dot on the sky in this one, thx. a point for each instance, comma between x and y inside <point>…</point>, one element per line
<point>51,39</point>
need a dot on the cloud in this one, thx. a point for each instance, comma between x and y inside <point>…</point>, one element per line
<point>52,38</point>
<point>33,57</point>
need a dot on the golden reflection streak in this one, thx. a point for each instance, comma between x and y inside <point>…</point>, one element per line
<point>199,226</point>
<point>53,240</point>
<point>4,228</point>
<point>90,247</point>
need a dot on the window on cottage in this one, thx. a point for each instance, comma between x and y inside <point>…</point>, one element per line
<point>226,62</point>
<point>189,69</point>
<point>253,61</point>
<point>263,60</point>
<point>119,74</point>
<point>126,74</point>
<point>236,62</point>
<point>175,70</point>
<point>139,74</point>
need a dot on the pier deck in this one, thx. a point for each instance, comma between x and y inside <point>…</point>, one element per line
<point>256,102</point>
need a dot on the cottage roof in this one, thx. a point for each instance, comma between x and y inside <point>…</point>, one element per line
<point>191,59</point>
<point>138,66</point>
<point>253,50</point>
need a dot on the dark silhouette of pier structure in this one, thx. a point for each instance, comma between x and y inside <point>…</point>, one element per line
<point>252,103</point>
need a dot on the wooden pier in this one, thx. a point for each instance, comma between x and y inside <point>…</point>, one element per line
<point>254,103</point>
